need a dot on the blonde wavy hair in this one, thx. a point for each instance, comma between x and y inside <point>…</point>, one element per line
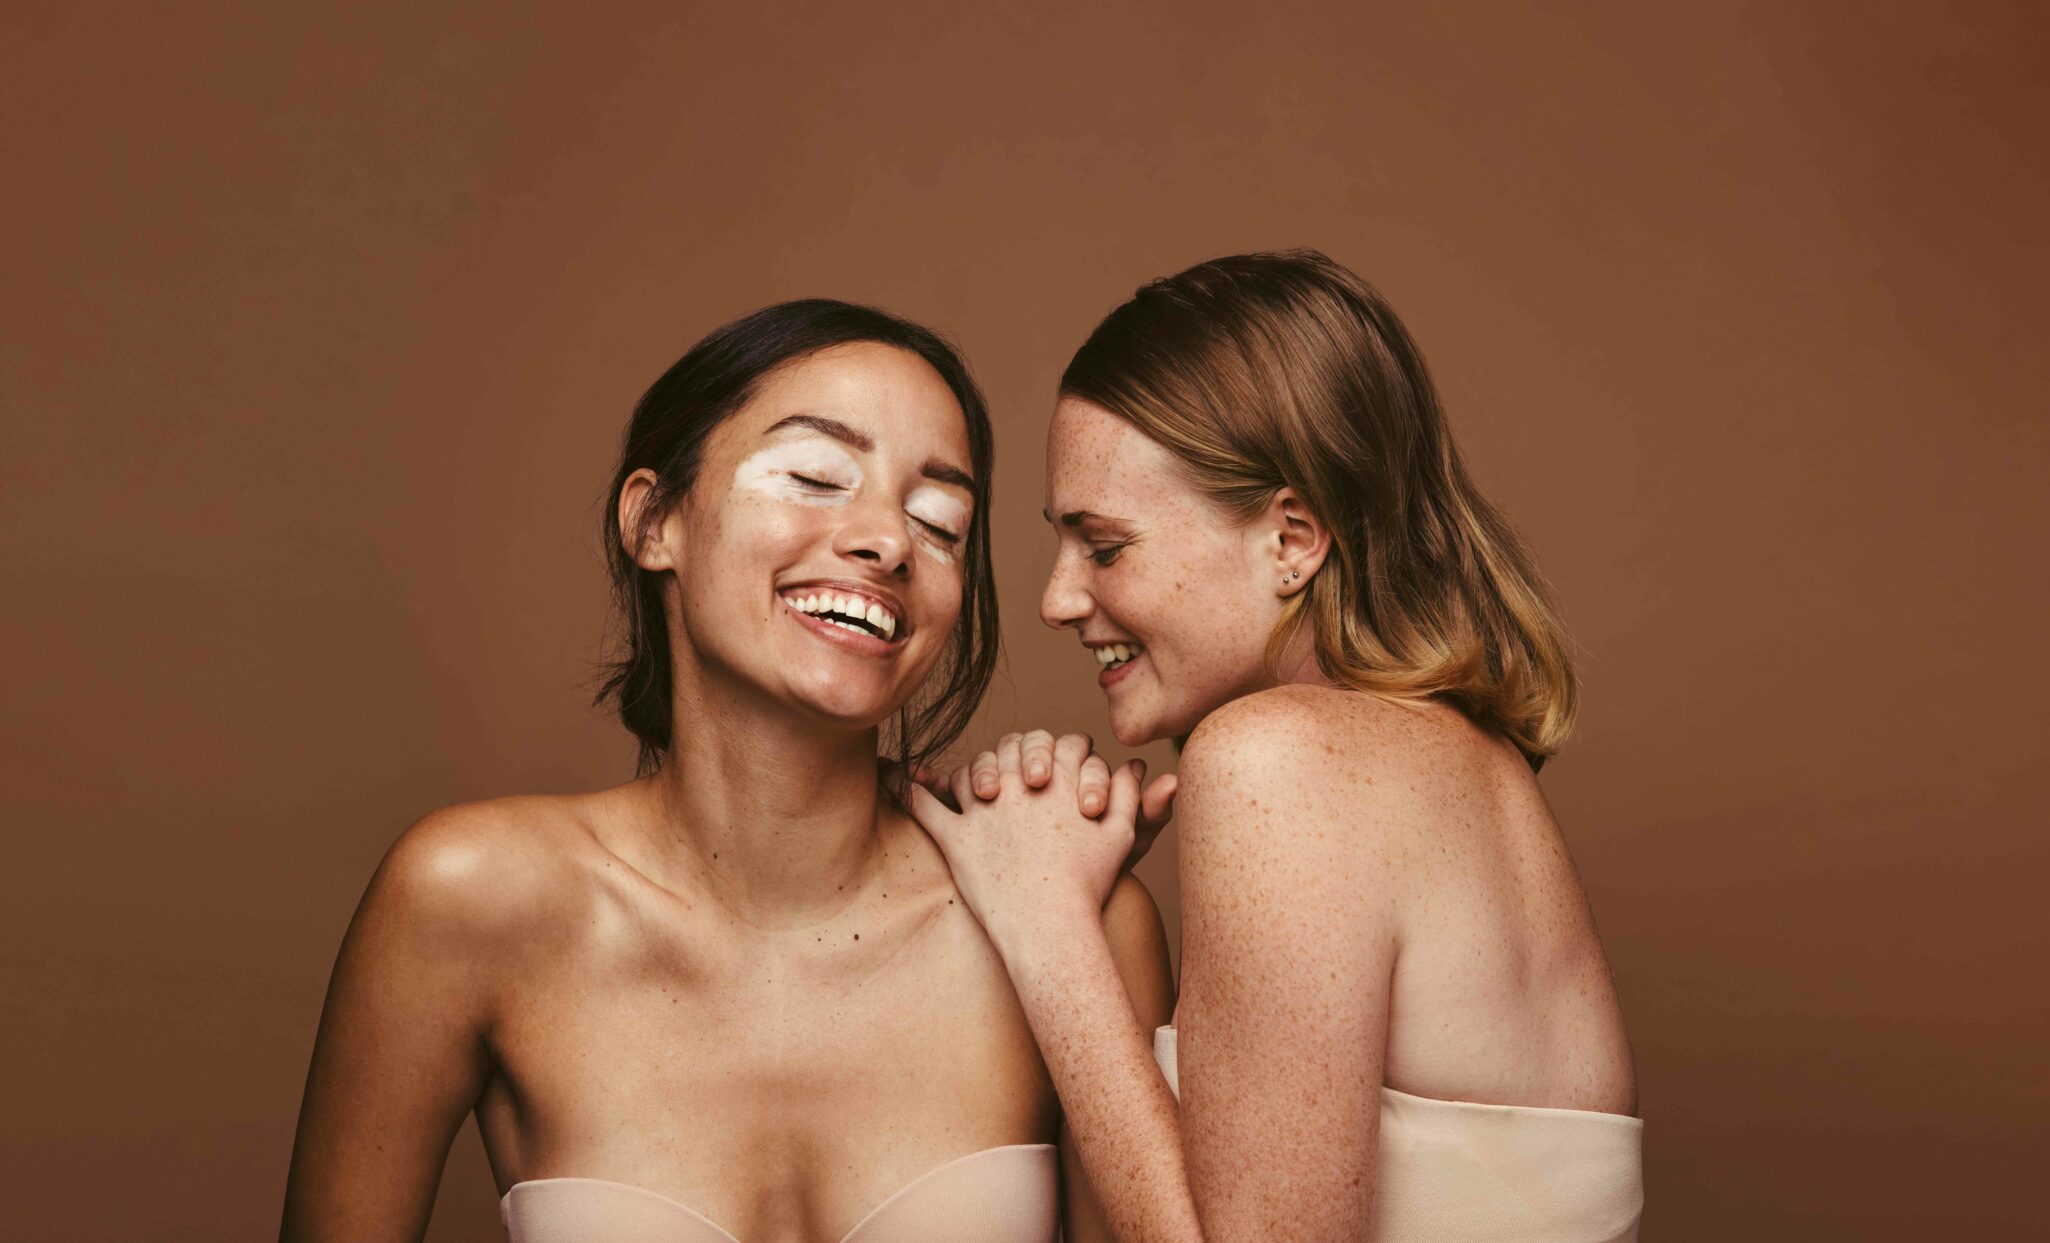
<point>1275,370</point>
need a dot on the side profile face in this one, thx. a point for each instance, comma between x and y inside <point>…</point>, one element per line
<point>817,554</point>
<point>1152,569</point>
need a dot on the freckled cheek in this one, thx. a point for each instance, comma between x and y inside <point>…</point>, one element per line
<point>1191,623</point>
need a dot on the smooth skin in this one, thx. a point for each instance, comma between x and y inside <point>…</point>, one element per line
<point>747,981</point>
<point>1372,892</point>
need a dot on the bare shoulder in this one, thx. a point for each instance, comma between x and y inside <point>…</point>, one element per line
<point>1295,726</point>
<point>1343,743</point>
<point>1346,772</point>
<point>480,871</point>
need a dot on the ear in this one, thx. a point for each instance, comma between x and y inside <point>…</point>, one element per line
<point>1298,540</point>
<point>648,549</point>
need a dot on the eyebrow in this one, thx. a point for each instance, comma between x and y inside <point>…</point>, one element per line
<point>1076,517</point>
<point>934,468</point>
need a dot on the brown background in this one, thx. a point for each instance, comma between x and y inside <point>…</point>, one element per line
<point>321,327</point>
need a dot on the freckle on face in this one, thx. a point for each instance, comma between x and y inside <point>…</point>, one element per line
<point>1186,588</point>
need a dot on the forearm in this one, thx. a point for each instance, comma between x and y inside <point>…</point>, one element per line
<point>1118,1107</point>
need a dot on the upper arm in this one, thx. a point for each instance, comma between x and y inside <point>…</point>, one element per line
<point>1288,934</point>
<point>1138,944</point>
<point>400,1055</point>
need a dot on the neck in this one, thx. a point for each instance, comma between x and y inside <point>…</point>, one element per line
<point>1297,665</point>
<point>774,815</point>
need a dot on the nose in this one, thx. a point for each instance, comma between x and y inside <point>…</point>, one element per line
<point>1065,602</point>
<point>875,532</point>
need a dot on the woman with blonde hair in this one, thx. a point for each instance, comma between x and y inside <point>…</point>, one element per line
<point>1396,1020</point>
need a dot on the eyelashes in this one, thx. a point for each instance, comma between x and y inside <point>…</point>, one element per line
<point>1106,555</point>
<point>937,531</point>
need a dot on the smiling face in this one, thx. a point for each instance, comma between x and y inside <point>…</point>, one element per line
<point>817,556</point>
<point>1150,568</point>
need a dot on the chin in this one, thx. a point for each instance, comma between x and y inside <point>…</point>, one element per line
<point>854,706</point>
<point>1134,726</point>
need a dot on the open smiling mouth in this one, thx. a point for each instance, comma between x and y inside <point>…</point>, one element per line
<point>851,613</point>
<point>1113,658</point>
<point>1113,655</point>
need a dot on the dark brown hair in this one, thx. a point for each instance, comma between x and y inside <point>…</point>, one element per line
<point>667,435</point>
<point>1265,371</point>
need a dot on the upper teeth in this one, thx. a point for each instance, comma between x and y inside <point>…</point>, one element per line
<point>847,606</point>
<point>1116,653</point>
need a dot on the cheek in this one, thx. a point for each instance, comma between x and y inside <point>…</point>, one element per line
<point>939,599</point>
<point>1204,629</point>
<point>731,549</point>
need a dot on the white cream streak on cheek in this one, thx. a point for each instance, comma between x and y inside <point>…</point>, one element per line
<point>768,473</point>
<point>942,509</point>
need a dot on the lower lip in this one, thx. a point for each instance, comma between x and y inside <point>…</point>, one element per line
<point>860,644</point>
<point>1111,677</point>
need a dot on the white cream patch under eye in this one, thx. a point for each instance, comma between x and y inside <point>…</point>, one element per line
<point>936,507</point>
<point>780,470</point>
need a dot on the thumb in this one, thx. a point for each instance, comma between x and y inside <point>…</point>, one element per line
<point>1124,792</point>
<point>935,817</point>
<point>1156,805</point>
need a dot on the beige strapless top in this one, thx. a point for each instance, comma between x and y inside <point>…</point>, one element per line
<point>1454,1170</point>
<point>999,1195</point>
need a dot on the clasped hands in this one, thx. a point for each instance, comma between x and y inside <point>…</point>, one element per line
<point>1037,829</point>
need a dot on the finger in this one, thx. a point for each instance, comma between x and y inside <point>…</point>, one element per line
<point>932,815</point>
<point>1124,793</point>
<point>932,779</point>
<point>1156,808</point>
<point>987,785</point>
<point>1009,759</point>
<point>1094,786</point>
<point>962,783</point>
<point>1035,752</point>
<point>1142,841</point>
<point>1069,750</point>
<point>1156,803</point>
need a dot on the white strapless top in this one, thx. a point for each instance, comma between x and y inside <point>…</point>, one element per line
<point>1009,1194</point>
<point>1454,1170</point>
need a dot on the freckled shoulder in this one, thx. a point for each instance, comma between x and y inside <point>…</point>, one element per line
<point>1338,766</point>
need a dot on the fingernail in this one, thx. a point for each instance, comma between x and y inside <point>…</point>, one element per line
<point>1038,771</point>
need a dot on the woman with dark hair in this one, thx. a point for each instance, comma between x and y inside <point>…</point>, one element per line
<point>740,989</point>
<point>1396,1020</point>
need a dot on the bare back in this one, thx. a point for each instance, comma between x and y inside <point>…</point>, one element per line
<point>1499,992</point>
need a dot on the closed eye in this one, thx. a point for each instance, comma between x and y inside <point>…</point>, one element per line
<point>818,484</point>
<point>1106,555</point>
<point>939,533</point>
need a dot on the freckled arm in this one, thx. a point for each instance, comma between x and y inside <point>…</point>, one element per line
<point>1288,953</point>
